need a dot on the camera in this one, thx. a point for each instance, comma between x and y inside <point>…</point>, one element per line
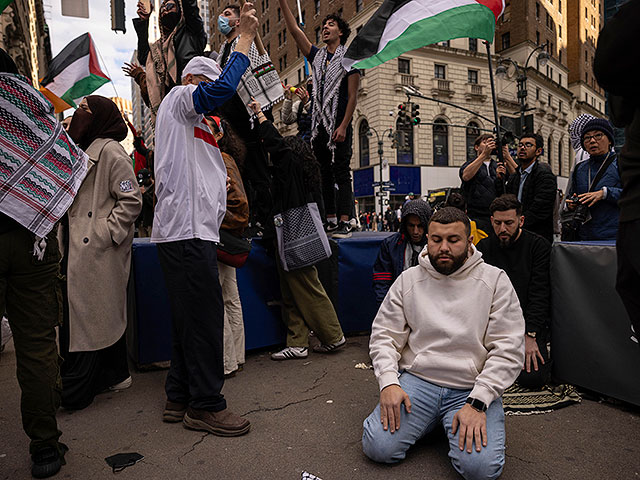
<point>144,177</point>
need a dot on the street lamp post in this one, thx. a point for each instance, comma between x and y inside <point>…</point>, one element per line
<point>380,153</point>
<point>521,79</point>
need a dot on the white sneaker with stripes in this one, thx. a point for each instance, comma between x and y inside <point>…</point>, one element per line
<point>290,353</point>
<point>329,347</point>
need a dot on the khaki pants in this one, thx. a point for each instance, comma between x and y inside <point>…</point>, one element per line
<point>30,293</point>
<point>306,306</point>
<point>233,321</point>
<point>144,232</point>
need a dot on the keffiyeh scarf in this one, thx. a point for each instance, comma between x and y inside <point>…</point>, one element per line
<point>326,84</point>
<point>41,169</point>
<point>260,81</point>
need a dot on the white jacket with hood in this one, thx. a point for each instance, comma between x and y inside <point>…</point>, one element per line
<point>464,330</point>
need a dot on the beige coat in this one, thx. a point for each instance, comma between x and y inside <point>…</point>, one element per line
<point>101,227</point>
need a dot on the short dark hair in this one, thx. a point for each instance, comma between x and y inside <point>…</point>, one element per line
<point>342,25</point>
<point>234,7</point>
<point>456,200</point>
<point>449,215</point>
<point>505,202</point>
<point>482,138</point>
<point>536,136</point>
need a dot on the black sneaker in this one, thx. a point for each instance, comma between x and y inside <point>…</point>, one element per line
<point>47,461</point>
<point>343,231</point>
<point>330,227</point>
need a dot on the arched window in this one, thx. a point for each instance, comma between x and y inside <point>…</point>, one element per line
<point>440,143</point>
<point>473,131</point>
<point>404,153</point>
<point>560,157</point>
<point>363,143</point>
<point>550,150</point>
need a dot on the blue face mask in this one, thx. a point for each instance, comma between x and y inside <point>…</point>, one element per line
<point>223,25</point>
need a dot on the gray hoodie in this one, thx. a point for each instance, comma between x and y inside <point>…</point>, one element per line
<point>464,330</point>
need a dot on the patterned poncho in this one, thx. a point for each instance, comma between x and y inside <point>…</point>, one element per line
<point>41,169</point>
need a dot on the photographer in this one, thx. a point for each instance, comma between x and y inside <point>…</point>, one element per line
<point>483,179</point>
<point>147,188</point>
<point>596,186</point>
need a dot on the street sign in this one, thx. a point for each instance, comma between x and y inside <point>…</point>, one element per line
<point>387,182</point>
<point>381,194</point>
<point>388,189</point>
<point>375,184</point>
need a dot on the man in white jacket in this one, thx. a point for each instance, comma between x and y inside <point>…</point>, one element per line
<point>447,341</point>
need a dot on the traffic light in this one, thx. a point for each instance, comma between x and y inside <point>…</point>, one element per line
<point>415,114</point>
<point>118,21</point>
<point>394,140</point>
<point>402,113</point>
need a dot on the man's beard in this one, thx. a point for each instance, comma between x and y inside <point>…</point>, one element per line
<point>507,242</point>
<point>451,267</point>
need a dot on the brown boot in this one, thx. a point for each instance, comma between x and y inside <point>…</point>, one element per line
<point>222,423</point>
<point>173,412</point>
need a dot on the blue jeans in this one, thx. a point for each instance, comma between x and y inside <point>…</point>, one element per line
<point>431,404</point>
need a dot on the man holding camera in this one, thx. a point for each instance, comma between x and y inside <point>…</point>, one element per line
<point>535,186</point>
<point>525,257</point>
<point>483,179</point>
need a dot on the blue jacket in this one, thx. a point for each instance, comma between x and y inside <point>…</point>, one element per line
<point>389,264</point>
<point>604,214</point>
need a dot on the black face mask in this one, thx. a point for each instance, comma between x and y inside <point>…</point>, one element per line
<point>170,20</point>
<point>79,125</point>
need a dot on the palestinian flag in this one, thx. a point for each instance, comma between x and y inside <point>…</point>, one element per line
<point>73,74</point>
<point>4,4</point>
<point>399,26</point>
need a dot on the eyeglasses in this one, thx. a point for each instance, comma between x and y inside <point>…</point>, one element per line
<point>597,137</point>
<point>526,145</point>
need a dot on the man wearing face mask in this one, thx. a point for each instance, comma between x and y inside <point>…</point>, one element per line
<point>182,37</point>
<point>191,192</point>
<point>535,186</point>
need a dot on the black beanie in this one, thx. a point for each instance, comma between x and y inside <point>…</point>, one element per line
<point>602,125</point>
<point>7,65</point>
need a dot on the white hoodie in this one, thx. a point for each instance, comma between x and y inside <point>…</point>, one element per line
<point>463,331</point>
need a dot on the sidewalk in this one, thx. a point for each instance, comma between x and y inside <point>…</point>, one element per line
<point>306,415</point>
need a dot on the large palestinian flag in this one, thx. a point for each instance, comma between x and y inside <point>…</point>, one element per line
<point>399,26</point>
<point>73,74</point>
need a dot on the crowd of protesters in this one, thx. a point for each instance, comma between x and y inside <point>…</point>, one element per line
<point>220,173</point>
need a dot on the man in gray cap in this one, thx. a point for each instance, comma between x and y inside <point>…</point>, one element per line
<point>191,192</point>
<point>400,250</point>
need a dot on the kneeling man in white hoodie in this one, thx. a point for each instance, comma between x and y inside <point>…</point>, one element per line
<point>447,341</point>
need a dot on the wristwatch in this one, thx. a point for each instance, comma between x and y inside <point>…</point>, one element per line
<point>531,334</point>
<point>476,404</point>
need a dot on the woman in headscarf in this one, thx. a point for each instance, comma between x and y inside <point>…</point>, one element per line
<point>97,257</point>
<point>595,183</point>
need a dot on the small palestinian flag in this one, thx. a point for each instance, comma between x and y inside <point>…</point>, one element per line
<point>73,74</point>
<point>399,26</point>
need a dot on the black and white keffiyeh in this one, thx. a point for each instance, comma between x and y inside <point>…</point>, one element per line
<point>260,81</point>
<point>326,84</point>
<point>575,128</point>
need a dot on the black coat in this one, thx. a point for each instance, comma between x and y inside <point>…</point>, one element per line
<point>482,189</point>
<point>189,41</point>
<point>538,198</point>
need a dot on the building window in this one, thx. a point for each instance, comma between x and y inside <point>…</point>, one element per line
<point>560,105</point>
<point>537,93</point>
<point>404,152</point>
<point>472,76</point>
<point>439,71</point>
<point>560,56</point>
<point>358,5</point>
<point>537,38</point>
<point>560,31</point>
<point>279,39</point>
<point>404,66</point>
<point>560,157</point>
<point>473,44</point>
<point>317,6</point>
<point>285,60</point>
<point>549,99</point>
<point>317,35</point>
<point>446,43</point>
<point>284,34</point>
<point>264,31</point>
<point>473,131</point>
<point>551,49</point>
<point>506,40</point>
<point>280,61</point>
<point>440,143</point>
<point>304,16</point>
<point>299,75</point>
<point>548,21</point>
<point>279,14</point>
<point>560,6</point>
<point>268,26</point>
<point>550,150</point>
<point>363,142</point>
<point>586,13</point>
<point>537,10</point>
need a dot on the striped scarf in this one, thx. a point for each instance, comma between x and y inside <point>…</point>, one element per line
<point>326,86</point>
<point>41,169</point>
<point>260,81</point>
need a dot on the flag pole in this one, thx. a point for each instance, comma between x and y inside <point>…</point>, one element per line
<point>495,110</point>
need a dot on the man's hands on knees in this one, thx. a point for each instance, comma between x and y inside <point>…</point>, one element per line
<point>391,397</point>
<point>473,428</point>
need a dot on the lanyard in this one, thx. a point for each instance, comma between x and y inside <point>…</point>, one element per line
<point>604,162</point>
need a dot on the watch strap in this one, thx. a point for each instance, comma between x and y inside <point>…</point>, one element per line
<point>478,405</point>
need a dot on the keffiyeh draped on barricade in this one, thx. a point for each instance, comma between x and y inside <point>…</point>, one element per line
<point>41,168</point>
<point>260,81</point>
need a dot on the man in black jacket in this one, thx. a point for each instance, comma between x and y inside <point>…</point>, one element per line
<point>482,180</point>
<point>535,186</point>
<point>525,257</point>
<point>616,68</point>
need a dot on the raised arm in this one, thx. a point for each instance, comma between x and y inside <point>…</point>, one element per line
<point>296,32</point>
<point>193,20</point>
